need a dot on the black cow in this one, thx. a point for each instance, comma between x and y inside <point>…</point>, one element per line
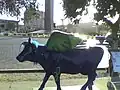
<point>84,61</point>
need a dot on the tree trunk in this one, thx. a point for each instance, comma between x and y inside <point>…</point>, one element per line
<point>115,28</point>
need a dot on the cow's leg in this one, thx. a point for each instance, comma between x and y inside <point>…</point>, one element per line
<point>47,75</point>
<point>57,81</point>
<point>90,86</point>
<point>91,78</point>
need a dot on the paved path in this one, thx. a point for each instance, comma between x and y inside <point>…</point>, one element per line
<point>77,87</point>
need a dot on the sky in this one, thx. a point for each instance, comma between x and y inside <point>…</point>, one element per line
<point>58,13</point>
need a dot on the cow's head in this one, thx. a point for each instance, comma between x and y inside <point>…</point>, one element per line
<point>27,54</point>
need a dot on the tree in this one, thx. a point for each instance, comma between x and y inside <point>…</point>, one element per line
<point>103,28</point>
<point>12,7</point>
<point>105,9</point>
<point>30,13</point>
<point>73,8</point>
<point>11,26</point>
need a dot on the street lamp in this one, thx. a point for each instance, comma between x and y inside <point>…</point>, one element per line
<point>62,23</point>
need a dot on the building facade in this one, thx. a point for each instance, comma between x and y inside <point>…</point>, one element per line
<point>8,25</point>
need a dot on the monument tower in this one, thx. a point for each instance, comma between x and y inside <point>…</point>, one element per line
<point>49,15</point>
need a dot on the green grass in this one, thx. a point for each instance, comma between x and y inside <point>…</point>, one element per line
<point>28,85</point>
<point>26,81</point>
<point>13,77</point>
<point>102,83</point>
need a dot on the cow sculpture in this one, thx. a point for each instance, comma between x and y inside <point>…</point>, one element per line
<point>84,61</point>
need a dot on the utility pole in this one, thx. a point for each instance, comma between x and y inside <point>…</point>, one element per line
<point>49,15</point>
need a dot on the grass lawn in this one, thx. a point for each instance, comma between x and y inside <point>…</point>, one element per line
<point>27,81</point>
<point>102,83</point>
<point>29,85</point>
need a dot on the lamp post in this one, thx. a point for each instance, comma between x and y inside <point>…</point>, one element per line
<point>62,23</point>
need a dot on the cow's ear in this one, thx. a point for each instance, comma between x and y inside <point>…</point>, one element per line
<point>29,40</point>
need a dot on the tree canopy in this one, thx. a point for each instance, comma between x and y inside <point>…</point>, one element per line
<point>71,7</point>
<point>105,9</point>
<point>110,8</point>
<point>30,13</point>
<point>12,7</point>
